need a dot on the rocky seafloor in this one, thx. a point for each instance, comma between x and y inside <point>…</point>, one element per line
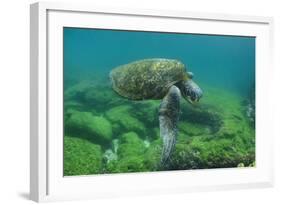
<point>105,133</point>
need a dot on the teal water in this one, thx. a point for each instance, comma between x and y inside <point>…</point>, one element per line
<point>226,61</point>
<point>105,133</point>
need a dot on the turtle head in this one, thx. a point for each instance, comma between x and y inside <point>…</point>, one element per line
<point>190,90</point>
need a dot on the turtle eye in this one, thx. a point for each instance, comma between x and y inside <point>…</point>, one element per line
<point>187,92</point>
<point>193,96</point>
<point>190,75</point>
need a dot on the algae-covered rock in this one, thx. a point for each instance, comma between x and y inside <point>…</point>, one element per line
<point>219,154</point>
<point>125,165</point>
<point>147,111</point>
<point>130,155</point>
<point>81,157</point>
<point>90,96</point>
<point>100,97</point>
<point>73,105</point>
<point>202,116</point>
<point>193,129</point>
<point>77,91</point>
<point>203,153</point>
<point>152,155</point>
<point>123,116</point>
<point>95,128</point>
<point>184,138</point>
<point>156,131</point>
<point>130,144</point>
<point>215,133</point>
<point>185,157</point>
<point>134,155</point>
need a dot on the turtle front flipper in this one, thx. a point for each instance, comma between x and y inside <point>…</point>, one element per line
<point>168,119</point>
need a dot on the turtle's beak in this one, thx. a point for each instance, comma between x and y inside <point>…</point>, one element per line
<point>192,92</point>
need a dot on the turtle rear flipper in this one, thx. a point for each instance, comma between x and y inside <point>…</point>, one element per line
<point>168,119</point>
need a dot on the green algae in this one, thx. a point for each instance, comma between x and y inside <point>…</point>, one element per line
<point>122,115</point>
<point>215,133</point>
<point>95,128</point>
<point>193,129</point>
<point>81,157</point>
<point>130,144</point>
<point>152,155</point>
<point>130,154</point>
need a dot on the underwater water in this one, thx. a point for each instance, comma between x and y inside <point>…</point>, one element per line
<point>107,133</point>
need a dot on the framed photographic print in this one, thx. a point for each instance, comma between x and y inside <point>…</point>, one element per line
<point>128,101</point>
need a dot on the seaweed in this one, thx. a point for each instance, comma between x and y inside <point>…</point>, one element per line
<point>105,133</point>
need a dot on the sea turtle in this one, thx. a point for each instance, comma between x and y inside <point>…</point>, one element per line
<point>156,78</point>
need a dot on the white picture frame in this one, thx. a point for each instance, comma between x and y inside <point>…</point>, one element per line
<point>46,178</point>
